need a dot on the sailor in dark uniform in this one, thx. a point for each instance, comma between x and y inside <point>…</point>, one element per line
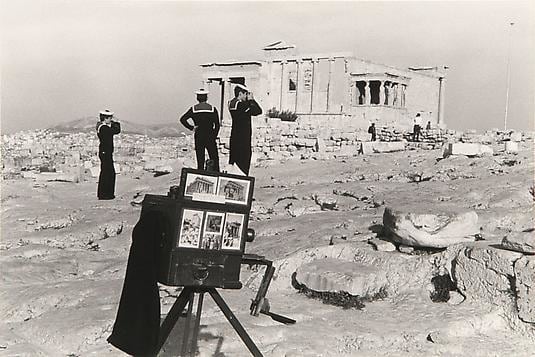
<point>206,127</point>
<point>106,129</point>
<point>241,108</point>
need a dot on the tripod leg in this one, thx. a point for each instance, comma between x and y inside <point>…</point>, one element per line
<point>172,316</point>
<point>185,341</point>
<point>235,323</point>
<point>195,335</point>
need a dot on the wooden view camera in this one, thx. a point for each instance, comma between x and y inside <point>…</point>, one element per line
<point>204,228</point>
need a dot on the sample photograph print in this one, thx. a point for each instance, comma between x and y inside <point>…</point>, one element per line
<point>214,222</point>
<point>200,184</point>
<point>233,231</point>
<point>211,241</point>
<point>234,190</point>
<point>190,229</point>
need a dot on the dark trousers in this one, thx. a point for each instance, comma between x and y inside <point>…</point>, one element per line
<point>106,180</point>
<point>416,133</point>
<point>243,161</point>
<point>240,153</point>
<point>202,143</point>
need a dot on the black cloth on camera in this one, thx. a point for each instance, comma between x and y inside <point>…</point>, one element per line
<point>137,325</point>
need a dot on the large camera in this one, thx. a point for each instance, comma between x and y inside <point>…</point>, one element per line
<point>204,228</point>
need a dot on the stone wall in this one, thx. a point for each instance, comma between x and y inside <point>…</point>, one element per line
<point>324,135</point>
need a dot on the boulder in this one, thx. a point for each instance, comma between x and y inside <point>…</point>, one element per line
<point>163,169</point>
<point>382,245</point>
<point>515,136</point>
<point>336,275</point>
<point>430,230</point>
<point>523,242</point>
<point>525,283</point>
<point>485,274</point>
<point>511,147</point>
<point>467,149</point>
<point>111,229</point>
<point>392,146</point>
<point>326,202</point>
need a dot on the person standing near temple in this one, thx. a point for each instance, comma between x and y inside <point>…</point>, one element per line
<point>372,130</point>
<point>106,129</point>
<point>241,108</point>
<point>206,128</point>
<point>417,127</point>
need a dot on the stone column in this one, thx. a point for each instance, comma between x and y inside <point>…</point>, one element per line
<point>400,95</point>
<point>314,61</point>
<point>282,85</point>
<point>222,102</point>
<point>228,95</point>
<point>297,63</point>
<point>394,90</point>
<point>331,62</point>
<point>381,93</point>
<point>441,88</point>
<point>368,94</point>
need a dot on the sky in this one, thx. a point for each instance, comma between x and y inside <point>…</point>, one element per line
<point>65,60</point>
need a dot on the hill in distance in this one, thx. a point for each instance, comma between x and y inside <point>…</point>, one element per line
<point>87,124</point>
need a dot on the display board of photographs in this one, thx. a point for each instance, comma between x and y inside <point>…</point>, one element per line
<point>217,189</point>
<point>210,230</point>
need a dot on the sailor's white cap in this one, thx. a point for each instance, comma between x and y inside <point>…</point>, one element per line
<point>106,113</point>
<point>201,91</point>
<point>242,87</point>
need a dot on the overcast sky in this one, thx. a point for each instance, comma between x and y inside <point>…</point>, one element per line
<point>63,60</point>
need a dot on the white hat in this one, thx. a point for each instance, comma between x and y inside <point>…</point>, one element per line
<point>242,87</point>
<point>202,91</point>
<point>106,112</point>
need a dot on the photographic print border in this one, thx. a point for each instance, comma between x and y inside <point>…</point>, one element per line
<point>239,236</point>
<point>185,214</point>
<point>212,235</point>
<point>244,184</point>
<point>190,179</point>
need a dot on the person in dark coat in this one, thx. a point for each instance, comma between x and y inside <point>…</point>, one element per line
<point>106,129</point>
<point>206,128</point>
<point>241,108</point>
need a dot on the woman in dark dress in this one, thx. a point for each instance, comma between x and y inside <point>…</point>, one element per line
<point>106,129</point>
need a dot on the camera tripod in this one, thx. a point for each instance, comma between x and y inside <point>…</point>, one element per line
<point>187,296</point>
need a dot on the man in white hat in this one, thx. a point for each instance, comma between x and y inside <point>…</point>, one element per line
<point>241,108</point>
<point>106,129</point>
<point>206,128</point>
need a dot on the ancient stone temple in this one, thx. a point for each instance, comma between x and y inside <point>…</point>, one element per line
<point>324,87</point>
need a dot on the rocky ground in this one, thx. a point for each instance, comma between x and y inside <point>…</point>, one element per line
<point>63,257</point>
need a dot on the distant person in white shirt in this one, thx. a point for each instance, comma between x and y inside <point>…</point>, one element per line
<point>417,127</point>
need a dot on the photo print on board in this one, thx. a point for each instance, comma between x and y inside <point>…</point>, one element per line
<point>232,232</point>
<point>190,229</point>
<point>234,190</point>
<point>200,184</point>
<point>213,229</point>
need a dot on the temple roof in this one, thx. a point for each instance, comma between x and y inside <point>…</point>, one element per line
<point>279,45</point>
